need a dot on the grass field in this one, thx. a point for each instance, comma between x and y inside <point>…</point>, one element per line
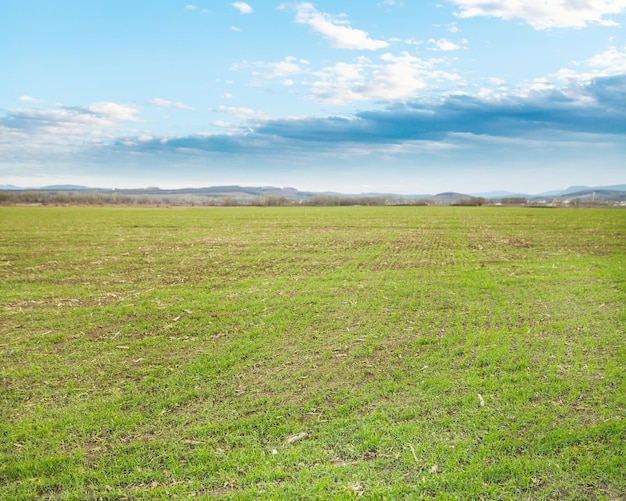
<point>312,353</point>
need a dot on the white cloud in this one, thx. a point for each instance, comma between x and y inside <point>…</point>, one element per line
<point>243,7</point>
<point>287,67</point>
<point>243,113</point>
<point>608,63</point>
<point>164,103</point>
<point>29,99</point>
<point>235,28</point>
<point>190,7</point>
<point>498,81</point>
<point>391,77</point>
<point>63,130</point>
<point>113,112</point>
<point>222,124</point>
<point>545,14</point>
<point>63,120</point>
<point>394,78</point>
<point>338,32</point>
<point>443,44</point>
<point>572,81</point>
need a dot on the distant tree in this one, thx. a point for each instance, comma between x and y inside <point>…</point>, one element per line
<point>230,202</point>
<point>471,202</point>
<point>270,201</point>
<point>513,200</point>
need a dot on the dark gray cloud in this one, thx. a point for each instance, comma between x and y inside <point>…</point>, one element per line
<point>610,92</point>
<point>218,144</point>
<point>600,108</point>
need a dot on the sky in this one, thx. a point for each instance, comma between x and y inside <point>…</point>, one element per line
<point>398,96</point>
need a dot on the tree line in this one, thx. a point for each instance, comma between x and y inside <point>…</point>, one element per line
<point>96,198</point>
<point>101,198</point>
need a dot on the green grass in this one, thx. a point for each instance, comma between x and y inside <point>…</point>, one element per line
<point>160,354</point>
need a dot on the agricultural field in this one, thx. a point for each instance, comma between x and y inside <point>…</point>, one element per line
<point>312,353</point>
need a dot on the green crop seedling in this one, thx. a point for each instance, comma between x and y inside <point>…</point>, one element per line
<point>312,353</point>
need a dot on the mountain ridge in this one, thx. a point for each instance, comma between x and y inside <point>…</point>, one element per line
<point>295,194</point>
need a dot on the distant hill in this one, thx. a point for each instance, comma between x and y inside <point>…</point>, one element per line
<point>65,187</point>
<point>449,197</point>
<point>579,189</point>
<point>246,194</point>
<point>571,191</point>
<point>595,195</point>
<point>234,191</point>
<point>499,194</point>
<point>615,187</point>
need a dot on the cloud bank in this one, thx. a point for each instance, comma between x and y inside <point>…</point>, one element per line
<point>597,109</point>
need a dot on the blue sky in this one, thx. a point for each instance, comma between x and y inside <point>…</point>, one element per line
<point>382,95</point>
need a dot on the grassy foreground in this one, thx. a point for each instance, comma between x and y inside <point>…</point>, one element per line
<point>312,353</point>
